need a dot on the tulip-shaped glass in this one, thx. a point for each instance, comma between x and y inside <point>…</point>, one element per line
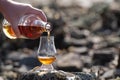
<point>46,53</point>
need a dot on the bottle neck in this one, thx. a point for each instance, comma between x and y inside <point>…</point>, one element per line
<point>47,26</point>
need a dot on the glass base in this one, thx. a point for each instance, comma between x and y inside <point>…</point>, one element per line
<point>45,68</point>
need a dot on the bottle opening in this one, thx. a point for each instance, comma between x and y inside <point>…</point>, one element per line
<point>48,27</point>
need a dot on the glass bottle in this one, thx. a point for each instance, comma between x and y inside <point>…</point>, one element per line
<point>30,26</point>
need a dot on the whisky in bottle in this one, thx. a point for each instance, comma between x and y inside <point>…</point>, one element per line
<point>30,27</point>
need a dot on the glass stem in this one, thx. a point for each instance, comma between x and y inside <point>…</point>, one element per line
<point>46,67</point>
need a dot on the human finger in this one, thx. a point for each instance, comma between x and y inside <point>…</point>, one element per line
<point>38,12</point>
<point>16,30</point>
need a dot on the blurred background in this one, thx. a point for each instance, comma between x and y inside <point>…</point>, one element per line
<point>87,38</point>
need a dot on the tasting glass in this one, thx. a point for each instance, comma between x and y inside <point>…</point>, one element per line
<point>46,53</point>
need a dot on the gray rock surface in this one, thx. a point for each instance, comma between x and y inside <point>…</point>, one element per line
<point>56,75</point>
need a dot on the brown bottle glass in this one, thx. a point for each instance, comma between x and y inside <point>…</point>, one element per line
<point>30,27</point>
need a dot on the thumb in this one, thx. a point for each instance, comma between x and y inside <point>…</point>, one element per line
<point>16,30</point>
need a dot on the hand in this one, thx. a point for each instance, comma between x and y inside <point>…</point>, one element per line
<point>13,11</point>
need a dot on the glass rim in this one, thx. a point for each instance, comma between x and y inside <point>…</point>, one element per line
<point>46,36</point>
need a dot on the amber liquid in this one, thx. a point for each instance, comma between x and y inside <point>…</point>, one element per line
<point>30,32</point>
<point>46,59</point>
<point>7,29</point>
<point>48,35</point>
